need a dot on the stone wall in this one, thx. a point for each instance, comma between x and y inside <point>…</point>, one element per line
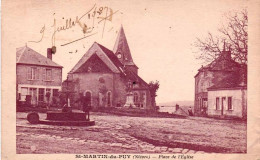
<point>109,82</point>
<point>94,83</point>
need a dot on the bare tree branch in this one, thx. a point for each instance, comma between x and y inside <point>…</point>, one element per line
<point>235,35</point>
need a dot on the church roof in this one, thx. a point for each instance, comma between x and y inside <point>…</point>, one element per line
<point>111,57</point>
<point>121,45</point>
<point>133,76</point>
<point>117,63</point>
<point>26,55</point>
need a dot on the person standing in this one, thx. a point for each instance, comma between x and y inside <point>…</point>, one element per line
<point>86,105</point>
<point>190,112</point>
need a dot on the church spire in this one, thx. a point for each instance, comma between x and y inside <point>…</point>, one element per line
<point>121,49</point>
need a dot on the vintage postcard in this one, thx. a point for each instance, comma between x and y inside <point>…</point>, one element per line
<point>109,79</point>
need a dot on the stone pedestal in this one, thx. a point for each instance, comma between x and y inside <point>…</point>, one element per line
<point>129,100</point>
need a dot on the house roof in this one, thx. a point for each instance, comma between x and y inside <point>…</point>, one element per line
<point>121,45</point>
<point>181,111</point>
<point>26,55</point>
<point>221,63</point>
<point>231,81</point>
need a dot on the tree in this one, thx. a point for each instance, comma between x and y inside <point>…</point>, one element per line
<point>234,33</point>
<point>153,87</point>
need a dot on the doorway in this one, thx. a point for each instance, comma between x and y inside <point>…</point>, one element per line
<point>223,102</point>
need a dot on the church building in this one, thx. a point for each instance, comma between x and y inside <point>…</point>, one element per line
<point>110,78</point>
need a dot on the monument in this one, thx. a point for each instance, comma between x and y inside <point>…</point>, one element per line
<point>129,96</point>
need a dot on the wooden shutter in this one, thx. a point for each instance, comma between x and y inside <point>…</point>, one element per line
<point>52,77</point>
<point>38,73</point>
<point>44,74</point>
<point>29,73</point>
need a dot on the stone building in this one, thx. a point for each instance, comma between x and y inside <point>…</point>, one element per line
<point>38,79</point>
<point>110,78</point>
<point>220,84</point>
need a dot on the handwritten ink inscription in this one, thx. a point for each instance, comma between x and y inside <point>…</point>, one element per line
<point>42,32</point>
<point>88,23</point>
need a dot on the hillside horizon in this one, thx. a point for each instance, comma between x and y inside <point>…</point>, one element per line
<point>173,103</point>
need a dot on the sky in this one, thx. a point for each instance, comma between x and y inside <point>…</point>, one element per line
<point>159,33</point>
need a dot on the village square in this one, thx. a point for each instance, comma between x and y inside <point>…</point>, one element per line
<point>104,105</point>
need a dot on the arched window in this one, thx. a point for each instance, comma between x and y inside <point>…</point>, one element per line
<point>135,97</point>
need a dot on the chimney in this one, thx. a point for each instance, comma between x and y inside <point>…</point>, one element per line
<point>49,53</point>
<point>243,74</point>
<point>226,53</point>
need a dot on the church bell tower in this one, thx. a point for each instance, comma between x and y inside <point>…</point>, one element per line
<point>122,51</point>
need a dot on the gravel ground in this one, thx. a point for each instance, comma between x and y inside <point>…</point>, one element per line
<point>121,134</point>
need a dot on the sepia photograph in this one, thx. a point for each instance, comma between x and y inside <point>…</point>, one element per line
<point>128,77</point>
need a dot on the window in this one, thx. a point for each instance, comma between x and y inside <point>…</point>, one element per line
<point>48,92</point>
<point>55,92</point>
<point>41,94</point>
<point>217,103</point>
<point>32,73</point>
<point>230,103</point>
<point>24,92</point>
<point>38,73</point>
<point>48,74</point>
